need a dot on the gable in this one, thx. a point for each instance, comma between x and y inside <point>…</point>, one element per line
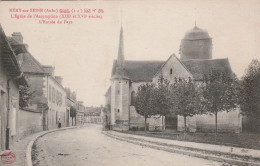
<point>171,69</point>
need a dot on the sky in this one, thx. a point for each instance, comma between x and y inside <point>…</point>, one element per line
<point>83,52</point>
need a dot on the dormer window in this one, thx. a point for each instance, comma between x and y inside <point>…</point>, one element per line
<point>171,71</point>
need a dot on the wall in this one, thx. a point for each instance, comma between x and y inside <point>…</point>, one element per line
<point>137,120</point>
<point>124,100</point>
<point>80,118</point>
<point>36,85</point>
<point>196,49</point>
<point>227,122</point>
<point>14,105</point>
<point>56,96</point>
<point>178,70</point>
<point>93,119</point>
<point>114,100</point>
<point>29,122</point>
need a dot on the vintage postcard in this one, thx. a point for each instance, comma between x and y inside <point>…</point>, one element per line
<point>147,83</point>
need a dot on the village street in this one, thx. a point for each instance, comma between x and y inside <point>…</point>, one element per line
<point>88,146</point>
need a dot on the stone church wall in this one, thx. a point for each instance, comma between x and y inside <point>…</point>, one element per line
<point>227,122</point>
<point>174,65</point>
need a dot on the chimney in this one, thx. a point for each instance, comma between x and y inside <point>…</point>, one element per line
<point>59,79</point>
<point>18,36</point>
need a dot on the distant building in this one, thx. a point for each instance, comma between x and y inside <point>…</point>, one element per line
<point>10,79</point>
<point>50,96</point>
<point>195,62</point>
<point>93,115</point>
<point>80,113</point>
<point>106,112</point>
<point>71,102</point>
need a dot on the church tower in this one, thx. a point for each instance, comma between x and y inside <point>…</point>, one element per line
<point>120,98</point>
<point>196,44</point>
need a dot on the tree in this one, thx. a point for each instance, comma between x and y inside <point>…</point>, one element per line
<point>219,94</point>
<point>25,96</point>
<point>72,113</point>
<point>185,99</point>
<point>162,97</point>
<point>144,102</point>
<point>249,95</point>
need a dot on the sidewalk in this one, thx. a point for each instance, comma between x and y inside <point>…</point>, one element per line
<point>209,151</point>
<point>209,147</point>
<point>20,147</point>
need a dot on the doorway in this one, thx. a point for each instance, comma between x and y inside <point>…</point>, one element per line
<point>171,122</point>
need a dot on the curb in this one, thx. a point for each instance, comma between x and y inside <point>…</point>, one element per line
<point>29,147</point>
<point>198,154</point>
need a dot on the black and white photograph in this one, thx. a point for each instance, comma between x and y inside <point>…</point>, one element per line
<point>130,83</point>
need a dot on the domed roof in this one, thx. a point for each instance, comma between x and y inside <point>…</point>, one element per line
<point>196,33</point>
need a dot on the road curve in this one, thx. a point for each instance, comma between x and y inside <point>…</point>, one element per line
<point>86,146</point>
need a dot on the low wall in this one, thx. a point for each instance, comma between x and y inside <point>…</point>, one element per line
<point>154,122</point>
<point>28,123</point>
<point>227,122</point>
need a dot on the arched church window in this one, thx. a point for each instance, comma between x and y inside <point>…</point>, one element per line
<point>171,71</point>
<point>118,91</point>
<point>118,110</point>
<point>133,97</point>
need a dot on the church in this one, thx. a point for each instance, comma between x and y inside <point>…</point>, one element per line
<point>195,62</point>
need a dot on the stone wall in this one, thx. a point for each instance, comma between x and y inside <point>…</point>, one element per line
<point>175,66</point>
<point>29,123</point>
<point>119,100</point>
<point>137,121</point>
<point>196,49</point>
<point>13,105</point>
<point>124,100</point>
<point>227,122</point>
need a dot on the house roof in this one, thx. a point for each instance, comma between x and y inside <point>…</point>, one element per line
<point>9,60</point>
<point>30,64</point>
<point>139,71</point>
<point>199,68</point>
<point>17,46</point>
<point>92,111</point>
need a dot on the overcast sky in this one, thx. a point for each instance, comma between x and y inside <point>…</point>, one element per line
<point>83,52</point>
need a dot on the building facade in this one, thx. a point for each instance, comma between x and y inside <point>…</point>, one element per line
<point>80,113</point>
<point>70,104</point>
<point>49,94</point>
<point>94,115</point>
<point>195,62</point>
<point>10,80</point>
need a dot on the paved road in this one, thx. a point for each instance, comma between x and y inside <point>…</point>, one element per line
<point>87,146</point>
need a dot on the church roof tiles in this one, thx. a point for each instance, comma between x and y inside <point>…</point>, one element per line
<point>140,71</point>
<point>199,68</point>
<point>144,71</point>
